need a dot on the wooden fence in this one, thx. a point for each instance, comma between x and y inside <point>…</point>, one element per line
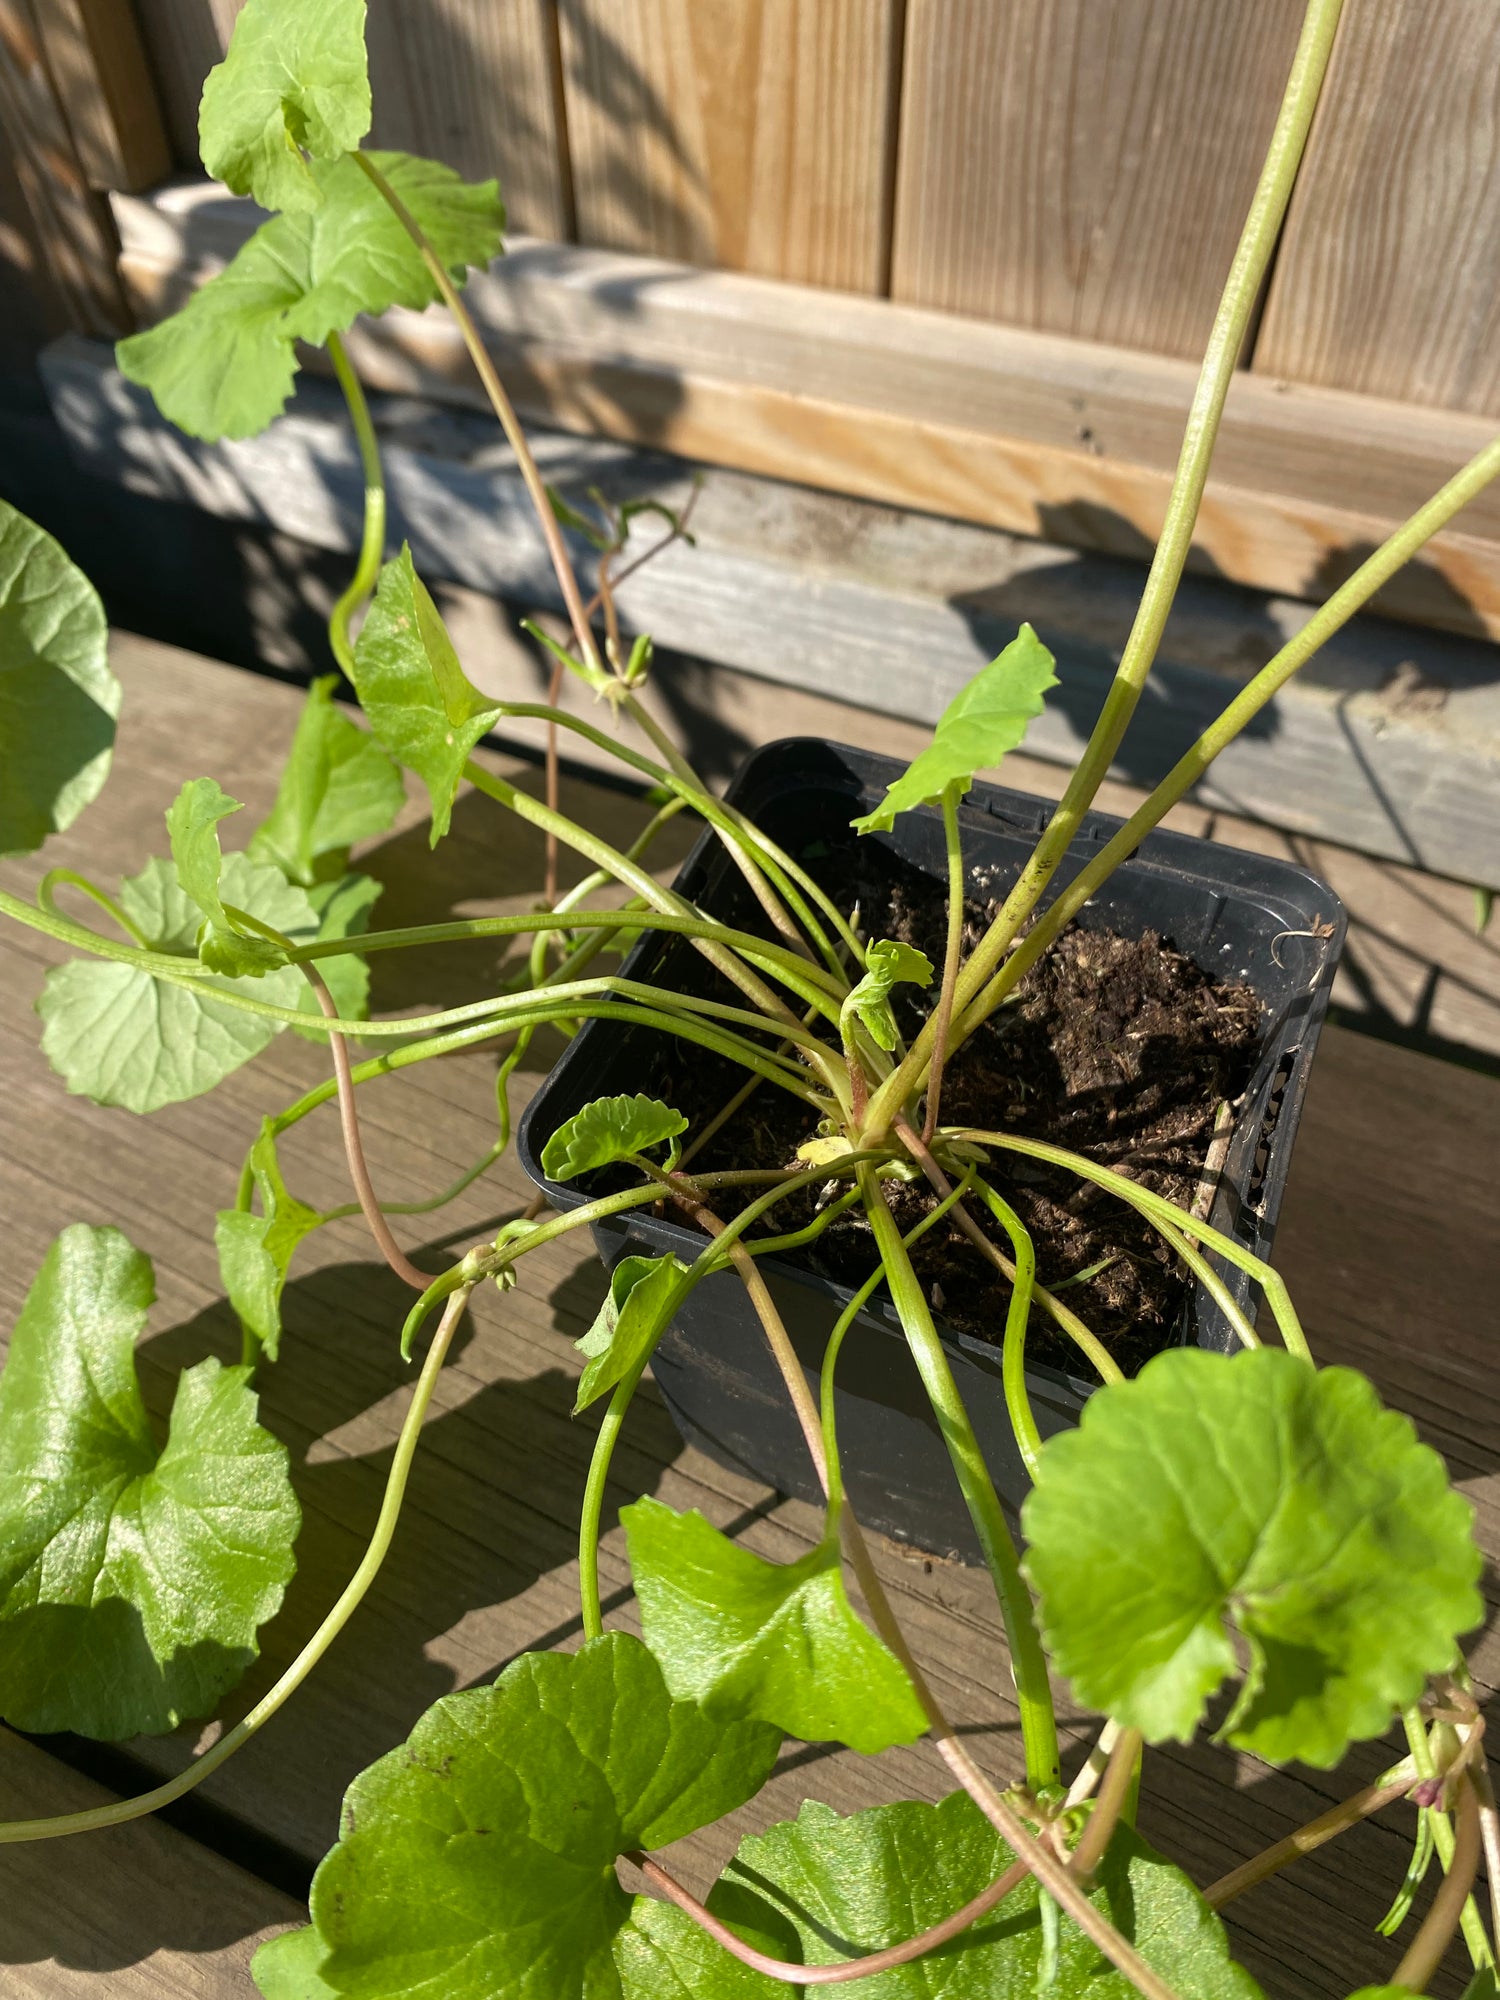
<point>978,242</point>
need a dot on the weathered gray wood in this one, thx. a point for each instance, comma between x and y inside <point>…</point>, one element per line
<point>1386,1245</point>
<point>1070,440</point>
<point>138,1912</point>
<point>1383,744</point>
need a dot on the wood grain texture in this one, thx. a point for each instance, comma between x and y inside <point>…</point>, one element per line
<point>1069,440</point>
<point>1396,754</point>
<point>139,1912</point>
<point>71,225</point>
<point>98,65</point>
<point>475,83</point>
<point>483,1561</point>
<point>470,82</point>
<point>752,134</point>
<point>1084,166</point>
<point>1386,278</point>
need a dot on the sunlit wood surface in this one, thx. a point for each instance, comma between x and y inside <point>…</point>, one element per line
<point>1387,1242</point>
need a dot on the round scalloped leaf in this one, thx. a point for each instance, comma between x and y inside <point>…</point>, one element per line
<point>133,1578</point>
<point>743,1636</point>
<point>411,684</point>
<point>478,1859</point>
<point>606,1130</point>
<point>294,77</point>
<point>224,365</point>
<point>822,1888</point>
<point>58,699</point>
<point>1256,1493</point>
<point>117,1035</point>
<point>986,719</point>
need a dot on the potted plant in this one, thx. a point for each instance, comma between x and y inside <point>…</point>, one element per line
<point>1225,1513</point>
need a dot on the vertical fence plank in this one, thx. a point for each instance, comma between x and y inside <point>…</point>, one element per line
<point>184,39</point>
<point>98,66</point>
<point>470,82</point>
<point>475,83</point>
<point>70,222</point>
<point>751,134</point>
<point>1387,278</point>
<point>1084,166</point>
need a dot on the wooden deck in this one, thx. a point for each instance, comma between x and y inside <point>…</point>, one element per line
<point>1387,1242</point>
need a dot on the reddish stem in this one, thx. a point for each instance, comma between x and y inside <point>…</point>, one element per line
<point>354,1151</point>
<point>853,1968</point>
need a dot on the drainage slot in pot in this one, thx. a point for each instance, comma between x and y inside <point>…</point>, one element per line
<point>1255,1193</point>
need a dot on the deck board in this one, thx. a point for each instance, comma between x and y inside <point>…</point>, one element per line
<point>140,1913</point>
<point>1384,1244</point>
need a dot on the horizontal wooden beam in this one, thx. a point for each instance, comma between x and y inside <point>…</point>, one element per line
<point>1069,440</point>
<point>1372,747</point>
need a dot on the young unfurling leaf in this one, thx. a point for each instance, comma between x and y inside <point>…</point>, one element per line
<point>742,1636</point>
<point>608,1129</point>
<point>337,787</point>
<point>478,1859</point>
<point>58,698</point>
<point>638,1307</point>
<point>822,1888</point>
<point>255,1251</point>
<point>133,1577</point>
<point>294,79</point>
<point>121,1037</point>
<point>224,365</point>
<point>986,719</point>
<point>887,964</point>
<point>421,704</point>
<point>1256,1492</point>
<point>193,829</point>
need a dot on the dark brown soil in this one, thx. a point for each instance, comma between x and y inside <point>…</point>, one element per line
<point>1118,1048</point>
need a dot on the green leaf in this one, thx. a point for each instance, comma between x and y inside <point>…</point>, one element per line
<point>848,1887</point>
<point>985,719</point>
<point>741,1636</point>
<point>294,79</point>
<point>193,829</point>
<point>119,1036</point>
<point>132,1580</point>
<point>337,786</point>
<point>638,1307</point>
<point>1255,1490</point>
<point>608,1129</point>
<point>661,1954</point>
<point>255,1251</point>
<point>288,1967</point>
<point>478,1859</point>
<point>58,699</point>
<point>421,704</point>
<point>343,911</point>
<point>887,964</point>
<point>224,365</point>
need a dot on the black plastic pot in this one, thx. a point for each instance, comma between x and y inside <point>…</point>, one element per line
<point>1239,916</point>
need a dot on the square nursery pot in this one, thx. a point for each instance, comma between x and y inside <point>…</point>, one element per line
<point>1223,908</point>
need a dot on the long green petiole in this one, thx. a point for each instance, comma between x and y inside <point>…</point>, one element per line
<point>1028,1663</point>
<point>1242,289</point>
<point>1331,617</point>
<point>713,1257</point>
<point>1176,1223</point>
<point>1017,1318</point>
<point>372,535</point>
<point>943,1014</point>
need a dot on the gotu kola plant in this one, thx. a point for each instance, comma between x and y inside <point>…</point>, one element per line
<point>1250,1521</point>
